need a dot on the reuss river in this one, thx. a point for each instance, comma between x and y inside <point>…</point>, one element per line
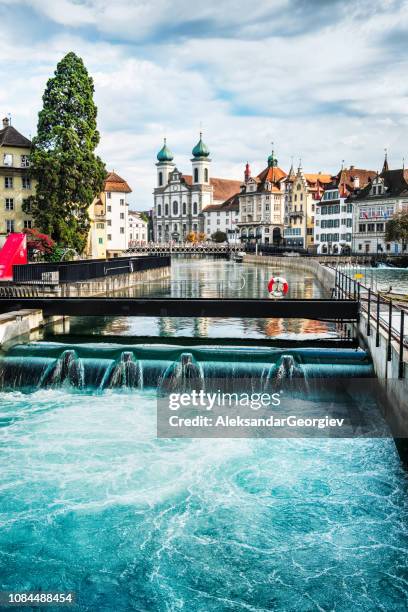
<point>91,500</point>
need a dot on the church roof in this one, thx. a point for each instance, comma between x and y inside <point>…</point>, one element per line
<point>10,137</point>
<point>114,182</point>
<point>222,188</point>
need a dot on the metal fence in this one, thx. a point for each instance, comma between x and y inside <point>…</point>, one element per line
<point>381,311</point>
<point>77,271</point>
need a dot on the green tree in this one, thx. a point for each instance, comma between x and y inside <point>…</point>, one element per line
<point>396,229</point>
<point>219,236</point>
<point>63,159</point>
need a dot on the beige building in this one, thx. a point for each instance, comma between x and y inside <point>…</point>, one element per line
<point>261,210</point>
<point>96,247</point>
<point>302,193</point>
<point>15,183</point>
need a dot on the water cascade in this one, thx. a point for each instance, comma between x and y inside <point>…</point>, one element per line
<point>106,366</point>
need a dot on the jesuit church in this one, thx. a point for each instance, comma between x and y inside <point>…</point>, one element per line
<point>180,200</point>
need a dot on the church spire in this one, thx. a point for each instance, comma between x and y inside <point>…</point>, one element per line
<point>385,167</point>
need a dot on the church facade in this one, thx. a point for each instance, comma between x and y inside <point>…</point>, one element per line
<point>180,200</point>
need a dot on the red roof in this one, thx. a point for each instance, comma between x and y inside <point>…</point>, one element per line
<point>222,188</point>
<point>114,182</point>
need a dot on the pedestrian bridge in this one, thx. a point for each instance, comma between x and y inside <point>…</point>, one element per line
<point>187,248</point>
<point>341,310</point>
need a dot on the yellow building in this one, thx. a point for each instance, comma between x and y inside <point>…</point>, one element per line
<point>15,183</point>
<point>302,191</point>
<point>96,247</point>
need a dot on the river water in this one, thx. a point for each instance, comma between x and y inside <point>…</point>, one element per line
<point>208,278</point>
<point>92,501</point>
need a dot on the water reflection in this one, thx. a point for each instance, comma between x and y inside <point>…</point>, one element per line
<point>214,278</point>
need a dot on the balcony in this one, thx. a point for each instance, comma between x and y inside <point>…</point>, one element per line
<point>296,213</point>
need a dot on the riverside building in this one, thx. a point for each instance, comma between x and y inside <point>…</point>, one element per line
<point>261,209</point>
<point>180,199</point>
<point>373,206</point>
<point>333,227</point>
<point>302,193</point>
<point>137,229</point>
<point>16,186</point>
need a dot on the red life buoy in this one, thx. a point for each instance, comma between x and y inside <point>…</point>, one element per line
<point>278,286</point>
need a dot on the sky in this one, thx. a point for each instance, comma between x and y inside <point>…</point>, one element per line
<point>324,80</point>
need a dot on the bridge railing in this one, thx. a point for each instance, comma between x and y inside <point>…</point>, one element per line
<point>77,271</point>
<point>381,311</point>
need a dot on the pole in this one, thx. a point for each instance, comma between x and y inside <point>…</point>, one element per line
<point>401,347</point>
<point>389,330</point>
<point>369,312</point>
<point>377,333</point>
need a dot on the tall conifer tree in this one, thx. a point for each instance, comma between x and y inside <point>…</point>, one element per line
<point>63,158</point>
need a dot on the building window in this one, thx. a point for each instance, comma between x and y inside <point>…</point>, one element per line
<point>109,208</point>
<point>25,162</point>
<point>109,236</point>
<point>196,175</point>
<point>175,208</point>
<point>7,159</point>
<point>122,230</point>
<point>195,209</point>
<point>8,182</point>
<point>26,182</point>
<point>100,240</point>
<point>9,226</point>
<point>166,210</point>
<point>122,215</point>
<point>159,210</point>
<point>184,208</point>
<point>160,179</point>
<point>122,202</point>
<point>28,224</point>
<point>108,195</point>
<point>26,204</point>
<point>100,225</point>
<point>9,204</point>
<point>206,175</point>
<point>109,222</point>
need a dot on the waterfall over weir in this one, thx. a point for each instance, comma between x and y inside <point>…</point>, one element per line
<point>102,366</point>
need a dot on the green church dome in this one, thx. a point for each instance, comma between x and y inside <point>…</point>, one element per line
<point>272,160</point>
<point>200,150</point>
<point>165,155</point>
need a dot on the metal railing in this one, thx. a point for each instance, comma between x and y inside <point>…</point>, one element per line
<point>77,271</point>
<point>382,313</point>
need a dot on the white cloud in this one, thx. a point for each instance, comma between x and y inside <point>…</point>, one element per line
<point>326,94</point>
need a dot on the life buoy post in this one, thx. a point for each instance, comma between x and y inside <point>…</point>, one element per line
<point>278,287</point>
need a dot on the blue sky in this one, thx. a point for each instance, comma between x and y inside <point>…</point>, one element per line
<point>325,80</point>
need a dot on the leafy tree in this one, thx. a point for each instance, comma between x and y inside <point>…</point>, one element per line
<point>396,229</point>
<point>63,159</point>
<point>219,236</point>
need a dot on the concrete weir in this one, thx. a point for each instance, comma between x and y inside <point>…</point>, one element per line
<point>386,366</point>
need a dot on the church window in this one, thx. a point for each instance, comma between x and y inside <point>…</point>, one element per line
<point>206,175</point>
<point>195,208</point>
<point>184,208</point>
<point>175,208</point>
<point>196,175</point>
<point>159,210</point>
<point>166,210</point>
<point>160,178</point>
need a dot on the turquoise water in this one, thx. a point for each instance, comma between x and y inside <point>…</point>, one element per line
<point>92,501</point>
